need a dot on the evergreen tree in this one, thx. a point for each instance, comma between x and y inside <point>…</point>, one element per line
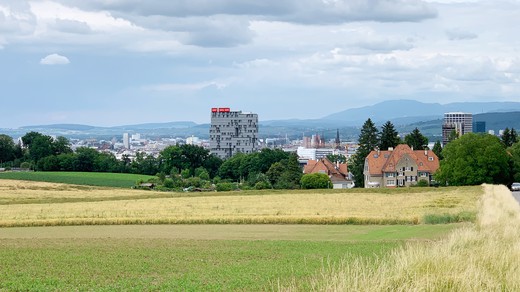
<point>416,140</point>
<point>437,149</point>
<point>514,136</point>
<point>506,138</point>
<point>368,140</point>
<point>389,137</point>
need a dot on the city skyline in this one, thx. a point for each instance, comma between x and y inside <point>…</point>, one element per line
<point>111,63</point>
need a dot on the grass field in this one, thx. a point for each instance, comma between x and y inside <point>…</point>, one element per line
<point>479,257</point>
<point>47,204</point>
<point>188,257</point>
<point>115,180</point>
<point>222,257</point>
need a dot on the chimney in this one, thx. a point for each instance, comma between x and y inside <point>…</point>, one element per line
<point>425,152</point>
<point>390,148</point>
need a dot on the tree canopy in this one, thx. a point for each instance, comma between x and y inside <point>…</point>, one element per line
<point>389,136</point>
<point>368,140</point>
<point>416,140</point>
<point>474,159</point>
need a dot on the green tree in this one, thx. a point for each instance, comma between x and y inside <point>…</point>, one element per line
<point>515,162</point>
<point>337,158</point>
<point>315,181</point>
<point>285,174</point>
<point>40,147</point>
<point>368,140</point>
<point>416,140</point>
<point>212,164</point>
<point>389,136</point>
<point>474,159</point>
<point>61,146</point>
<point>509,137</point>
<point>85,159</point>
<point>7,148</point>
<point>437,149</point>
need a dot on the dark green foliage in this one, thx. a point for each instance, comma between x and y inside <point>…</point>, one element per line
<point>337,158</point>
<point>474,159</point>
<point>416,140</point>
<point>437,149</point>
<point>367,142</point>
<point>509,137</point>
<point>285,174</point>
<point>7,149</point>
<point>389,137</point>
<point>515,162</point>
<point>226,187</point>
<point>315,181</point>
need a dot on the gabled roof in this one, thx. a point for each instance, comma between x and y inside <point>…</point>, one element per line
<point>385,161</point>
<point>334,171</point>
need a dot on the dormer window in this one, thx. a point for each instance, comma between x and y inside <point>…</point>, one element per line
<point>430,158</point>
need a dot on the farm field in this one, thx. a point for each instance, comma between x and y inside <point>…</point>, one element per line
<point>51,236</point>
<point>115,180</point>
<point>189,257</point>
<point>49,204</point>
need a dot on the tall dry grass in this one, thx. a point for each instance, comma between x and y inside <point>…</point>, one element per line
<point>481,257</point>
<point>37,204</point>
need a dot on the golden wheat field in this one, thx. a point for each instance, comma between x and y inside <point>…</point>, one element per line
<point>479,257</point>
<point>35,203</point>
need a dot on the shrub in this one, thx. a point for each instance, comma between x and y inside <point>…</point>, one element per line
<point>261,185</point>
<point>226,186</point>
<point>315,181</point>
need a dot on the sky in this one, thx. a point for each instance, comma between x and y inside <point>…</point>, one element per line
<point>119,62</point>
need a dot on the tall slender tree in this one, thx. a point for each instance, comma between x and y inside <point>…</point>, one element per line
<point>437,149</point>
<point>389,136</point>
<point>368,140</point>
<point>506,137</point>
<point>416,140</point>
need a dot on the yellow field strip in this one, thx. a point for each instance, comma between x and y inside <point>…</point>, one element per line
<point>321,207</point>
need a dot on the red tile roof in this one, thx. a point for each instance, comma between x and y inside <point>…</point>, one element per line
<point>335,171</point>
<point>385,161</point>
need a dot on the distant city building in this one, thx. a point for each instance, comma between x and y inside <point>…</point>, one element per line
<point>136,136</point>
<point>479,127</point>
<point>491,132</point>
<point>232,132</point>
<point>126,140</point>
<point>193,140</point>
<point>458,122</point>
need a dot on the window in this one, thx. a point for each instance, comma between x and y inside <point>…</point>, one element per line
<point>408,168</point>
<point>390,182</point>
<point>430,158</point>
<point>390,174</point>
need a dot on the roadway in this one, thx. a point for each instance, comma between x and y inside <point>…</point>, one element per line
<point>517,196</point>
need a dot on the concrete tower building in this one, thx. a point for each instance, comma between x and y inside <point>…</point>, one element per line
<point>232,132</point>
<point>126,140</point>
<point>459,122</point>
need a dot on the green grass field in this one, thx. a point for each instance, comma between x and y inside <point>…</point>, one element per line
<point>114,180</point>
<point>187,257</point>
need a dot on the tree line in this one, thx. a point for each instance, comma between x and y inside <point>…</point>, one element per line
<point>179,163</point>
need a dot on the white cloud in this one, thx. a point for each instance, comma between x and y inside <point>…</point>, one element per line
<point>55,59</point>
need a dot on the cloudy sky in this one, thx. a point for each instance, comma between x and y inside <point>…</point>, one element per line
<point>115,62</point>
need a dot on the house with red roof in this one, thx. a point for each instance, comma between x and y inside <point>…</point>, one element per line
<point>337,172</point>
<point>399,167</point>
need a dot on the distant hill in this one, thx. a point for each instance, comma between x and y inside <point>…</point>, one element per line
<point>411,111</point>
<point>404,114</point>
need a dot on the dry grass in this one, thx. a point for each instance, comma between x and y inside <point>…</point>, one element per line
<point>42,204</point>
<point>482,257</point>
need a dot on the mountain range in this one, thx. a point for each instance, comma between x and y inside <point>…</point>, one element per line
<point>404,114</point>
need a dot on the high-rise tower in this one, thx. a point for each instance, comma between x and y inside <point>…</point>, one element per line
<point>458,123</point>
<point>232,132</point>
